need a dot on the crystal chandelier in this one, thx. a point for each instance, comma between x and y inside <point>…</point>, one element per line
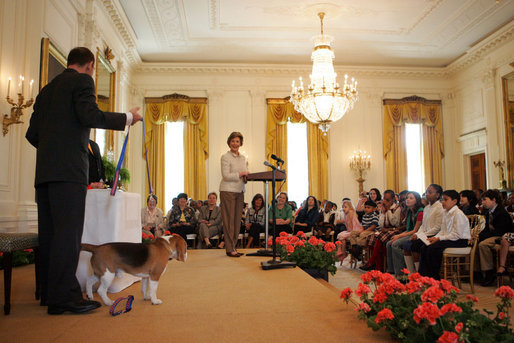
<point>324,101</point>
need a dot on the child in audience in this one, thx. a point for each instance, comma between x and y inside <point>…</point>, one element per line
<point>369,225</point>
<point>352,224</point>
<point>454,233</point>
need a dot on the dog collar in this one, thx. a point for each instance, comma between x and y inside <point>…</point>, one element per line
<point>128,305</point>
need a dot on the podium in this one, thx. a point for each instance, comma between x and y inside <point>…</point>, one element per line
<point>266,177</point>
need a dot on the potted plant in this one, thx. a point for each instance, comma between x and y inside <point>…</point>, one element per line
<point>421,309</point>
<point>313,255</point>
<point>110,171</point>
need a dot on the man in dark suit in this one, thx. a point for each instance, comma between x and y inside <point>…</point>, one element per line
<point>497,223</point>
<point>96,166</point>
<point>64,112</point>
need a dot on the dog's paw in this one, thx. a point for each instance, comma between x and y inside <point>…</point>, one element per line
<point>156,302</point>
<point>108,302</point>
<point>147,298</point>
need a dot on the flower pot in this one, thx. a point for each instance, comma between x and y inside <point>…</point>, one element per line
<point>317,274</point>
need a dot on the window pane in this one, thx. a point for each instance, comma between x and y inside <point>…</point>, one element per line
<point>100,140</point>
<point>174,161</point>
<point>415,170</point>
<point>297,162</point>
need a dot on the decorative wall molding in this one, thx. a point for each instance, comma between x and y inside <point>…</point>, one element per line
<point>473,142</point>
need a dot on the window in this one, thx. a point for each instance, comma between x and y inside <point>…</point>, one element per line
<point>174,161</point>
<point>100,140</point>
<point>415,168</point>
<point>297,162</point>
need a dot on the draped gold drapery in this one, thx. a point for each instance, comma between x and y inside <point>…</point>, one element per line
<point>196,149</point>
<point>412,110</point>
<point>280,111</point>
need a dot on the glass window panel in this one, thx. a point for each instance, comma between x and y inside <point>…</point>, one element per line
<point>174,161</point>
<point>415,169</point>
<point>297,162</point>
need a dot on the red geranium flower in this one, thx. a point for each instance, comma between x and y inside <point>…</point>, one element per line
<point>270,241</point>
<point>363,307</point>
<point>413,287</point>
<point>501,315</point>
<point>379,297</point>
<point>283,234</point>
<point>151,236</point>
<point>432,294</point>
<point>450,308</point>
<point>338,243</point>
<point>329,247</point>
<point>426,311</point>
<point>167,232</point>
<point>472,298</point>
<point>504,292</point>
<point>385,314</point>
<point>405,271</point>
<point>293,239</point>
<point>300,243</point>
<point>458,327</point>
<point>289,248</point>
<point>29,250</point>
<point>362,289</point>
<point>145,236</point>
<point>448,337</point>
<point>448,287</point>
<point>300,233</point>
<point>346,293</point>
<point>313,240</point>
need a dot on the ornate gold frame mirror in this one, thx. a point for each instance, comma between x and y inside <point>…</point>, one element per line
<point>508,109</point>
<point>52,63</point>
<point>105,93</point>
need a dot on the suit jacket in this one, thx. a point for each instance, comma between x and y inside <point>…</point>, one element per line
<point>501,222</point>
<point>64,112</point>
<point>215,215</point>
<point>96,166</point>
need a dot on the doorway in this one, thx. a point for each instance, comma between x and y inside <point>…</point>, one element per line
<point>478,171</point>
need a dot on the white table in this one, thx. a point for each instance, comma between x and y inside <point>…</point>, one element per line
<point>109,219</point>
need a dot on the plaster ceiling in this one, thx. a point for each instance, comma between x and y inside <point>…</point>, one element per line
<point>423,33</point>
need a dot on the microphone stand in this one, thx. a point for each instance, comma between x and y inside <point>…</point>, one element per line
<point>274,264</point>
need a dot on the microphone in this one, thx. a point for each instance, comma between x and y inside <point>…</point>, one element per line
<point>278,159</point>
<point>266,163</point>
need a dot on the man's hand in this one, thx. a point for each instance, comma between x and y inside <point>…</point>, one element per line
<point>433,240</point>
<point>135,115</point>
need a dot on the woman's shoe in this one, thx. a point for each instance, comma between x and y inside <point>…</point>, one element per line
<point>240,253</point>
<point>233,254</point>
<point>503,273</point>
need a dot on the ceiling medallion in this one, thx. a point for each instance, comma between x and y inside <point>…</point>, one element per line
<point>324,101</point>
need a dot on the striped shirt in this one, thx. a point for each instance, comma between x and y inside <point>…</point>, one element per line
<point>369,219</point>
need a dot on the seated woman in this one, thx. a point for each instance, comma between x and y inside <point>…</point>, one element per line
<point>151,217</point>
<point>308,216</point>
<point>181,218</point>
<point>374,195</point>
<point>353,227</point>
<point>506,242</point>
<point>283,213</point>
<point>209,220</point>
<point>468,202</point>
<point>455,233</point>
<point>395,256</point>
<point>255,221</point>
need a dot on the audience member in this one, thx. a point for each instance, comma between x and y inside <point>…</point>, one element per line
<point>374,195</point>
<point>255,219</point>
<point>353,229</point>
<point>307,218</point>
<point>181,218</point>
<point>326,222</point>
<point>209,220</point>
<point>369,225</point>
<point>395,256</point>
<point>510,204</point>
<point>506,241</point>
<point>96,166</point>
<point>151,217</point>
<point>430,226</point>
<point>283,214</point>
<point>468,202</point>
<point>454,233</point>
<point>497,223</point>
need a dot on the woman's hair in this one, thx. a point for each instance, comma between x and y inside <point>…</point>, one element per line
<point>379,196</point>
<point>315,202</point>
<point>472,197</point>
<point>212,193</point>
<point>279,194</point>
<point>437,188</point>
<point>418,203</point>
<point>234,135</point>
<point>255,197</point>
<point>182,196</point>
<point>151,196</point>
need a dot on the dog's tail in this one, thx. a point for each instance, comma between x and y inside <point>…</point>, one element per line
<point>89,247</point>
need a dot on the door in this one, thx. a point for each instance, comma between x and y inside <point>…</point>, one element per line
<point>478,174</point>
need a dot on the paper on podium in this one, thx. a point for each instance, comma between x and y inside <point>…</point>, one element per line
<point>422,235</point>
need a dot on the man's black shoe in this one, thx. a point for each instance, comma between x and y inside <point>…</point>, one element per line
<point>79,306</point>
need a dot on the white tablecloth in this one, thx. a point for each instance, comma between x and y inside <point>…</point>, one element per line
<point>109,219</point>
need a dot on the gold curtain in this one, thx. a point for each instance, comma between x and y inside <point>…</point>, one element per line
<point>196,150</point>
<point>412,110</point>
<point>280,111</point>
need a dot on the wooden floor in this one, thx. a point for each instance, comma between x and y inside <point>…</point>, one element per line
<point>210,298</point>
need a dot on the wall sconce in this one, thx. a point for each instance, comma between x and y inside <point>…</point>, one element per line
<point>17,108</point>
<point>360,162</point>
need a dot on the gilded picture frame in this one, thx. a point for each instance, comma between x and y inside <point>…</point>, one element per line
<point>52,62</point>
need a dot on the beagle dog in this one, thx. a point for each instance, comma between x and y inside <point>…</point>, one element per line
<point>146,260</point>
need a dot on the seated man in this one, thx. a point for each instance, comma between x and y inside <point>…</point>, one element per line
<point>209,220</point>
<point>497,223</point>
